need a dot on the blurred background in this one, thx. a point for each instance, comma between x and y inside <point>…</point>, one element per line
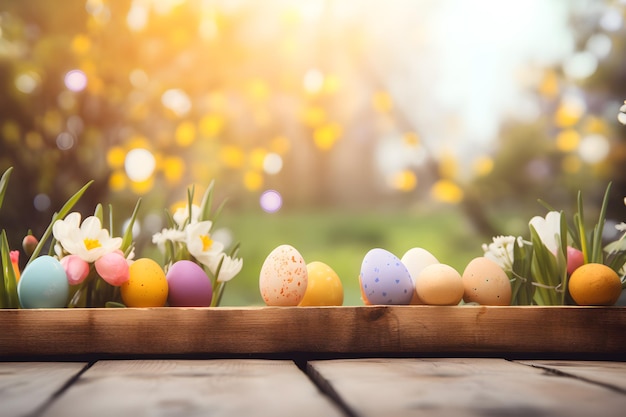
<point>334,126</point>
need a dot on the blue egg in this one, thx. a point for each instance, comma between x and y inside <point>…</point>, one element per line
<point>385,279</point>
<point>43,284</point>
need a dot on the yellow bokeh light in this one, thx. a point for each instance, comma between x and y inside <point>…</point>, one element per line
<point>411,139</point>
<point>142,187</point>
<point>258,89</point>
<point>117,181</point>
<point>549,86</point>
<point>448,166</point>
<point>257,157</point>
<point>567,115</point>
<point>567,140</point>
<point>185,134</point>
<point>211,125</point>
<point>11,132</point>
<point>34,140</point>
<point>81,44</point>
<point>447,191</point>
<point>332,84</point>
<point>115,157</point>
<point>571,164</point>
<point>314,116</point>
<point>326,136</point>
<point>52,122</point>
<point>280,145</point>
<point>253,180</point>
<point>138,141</point>
<point>382,102</point>
<point>173,169</point>
<point>404,181</point>
<point>483,166</point>
<point>232,156</point>
<point>595,124</point>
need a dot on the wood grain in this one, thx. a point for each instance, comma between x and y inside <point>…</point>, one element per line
<point>375,330</point>
<point>235,388</point>
<point>460,387</point>
<point>609,374</point>
<point>27,386</point>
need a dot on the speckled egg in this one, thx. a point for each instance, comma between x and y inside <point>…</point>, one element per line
<point>188,285</point>
<point>415,260</point>
<point>324,287</point>
<point>486,283</point>
<point>385,279</point>
<point>146,285</point>
<point>439,284</point>
<point>284,277</point>
<point>43,284</point>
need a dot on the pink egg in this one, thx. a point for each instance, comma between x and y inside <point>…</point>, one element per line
<point>189,285</point>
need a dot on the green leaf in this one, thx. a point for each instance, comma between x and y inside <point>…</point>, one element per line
<point>597,255</point>
<point>56,216</point>
<point>114,304</point>
<point>127,240</point>
<point>10,297</point>
<point>4,183</point>
<point>207,202</point>
<point>99,213</point>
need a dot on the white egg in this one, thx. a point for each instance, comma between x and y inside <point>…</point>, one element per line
<point>284,277</point>
<point>415,260</point>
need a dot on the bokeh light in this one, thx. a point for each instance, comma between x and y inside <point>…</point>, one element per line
<point>271,201</point>
<point>75,80</point>
<point>139,164</point>
<point>42,202</point>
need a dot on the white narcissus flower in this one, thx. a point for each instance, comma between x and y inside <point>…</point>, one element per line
<point>89,241</point>
<point>501,250</point>
<point>230,267</point>
<point>548,229</point>
<point>200,245</point>
<point>164,235</point>
<point>182,214</point>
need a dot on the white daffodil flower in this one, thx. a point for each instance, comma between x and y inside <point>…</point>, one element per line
<point>164,235</point>
<point>200,244</point>
<point>229,269</point>
<point>501,250</point>
<point>89,241</point>
<point>548,229</point>
<point>181,215</point>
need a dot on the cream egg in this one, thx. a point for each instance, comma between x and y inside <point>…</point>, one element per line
<point>439,284</point>
<point>415,260</point>
<point>486,283</point>
<point>283,279</point>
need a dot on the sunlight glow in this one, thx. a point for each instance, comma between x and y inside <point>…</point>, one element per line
<point>139,164</point>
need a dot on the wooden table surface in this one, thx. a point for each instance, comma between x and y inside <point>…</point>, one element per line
<point>330,387</point>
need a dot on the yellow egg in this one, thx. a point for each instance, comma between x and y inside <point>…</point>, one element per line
<point>146,285</point>
<point>486,283</point>
<point>324,286</point>
<point>439,284</point>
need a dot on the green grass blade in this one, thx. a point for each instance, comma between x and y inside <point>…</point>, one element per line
<point>207,202</point>
<point>127,240</point>
<point>4,182</point>
<point>597,255</point>
<point>10,281</point>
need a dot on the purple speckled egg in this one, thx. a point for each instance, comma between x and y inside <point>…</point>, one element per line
<point>189,285</point>
<point>385,279</point>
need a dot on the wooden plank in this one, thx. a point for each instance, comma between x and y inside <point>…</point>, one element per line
<point>375,330</point>
<point>27,386</point>
<point>609,374</point>
<point>460,387</point>
<point>241,387</point>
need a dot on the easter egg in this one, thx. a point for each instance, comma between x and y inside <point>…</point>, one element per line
<point>284,277</point>
<point>189,285</point>
<point>416,259</point>
<point>485,282</point>
<point>146,285</point>
<point>385,279</point>
<point>323,288</point>
<point>439,284</point>
<point>43,284</point>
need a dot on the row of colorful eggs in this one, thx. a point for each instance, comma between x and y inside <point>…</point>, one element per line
<point>384,279</point>
<point>44,284</point>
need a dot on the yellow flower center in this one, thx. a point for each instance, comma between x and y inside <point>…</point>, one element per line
<point>207,242</point>
<point>92,243</point>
